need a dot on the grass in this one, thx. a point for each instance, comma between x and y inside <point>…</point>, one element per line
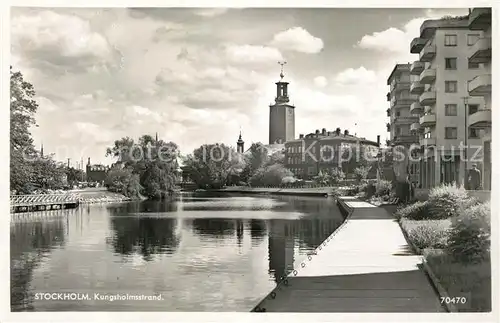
<point>472,281</point>
<point>427,233</point>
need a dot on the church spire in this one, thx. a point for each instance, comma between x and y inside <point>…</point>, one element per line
<point>41,149</point>
<point>240,144</point>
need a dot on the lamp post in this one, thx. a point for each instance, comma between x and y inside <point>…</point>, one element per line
<point>466,113</point>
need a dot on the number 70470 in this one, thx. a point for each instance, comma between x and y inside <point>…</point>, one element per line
<point>453,300</point>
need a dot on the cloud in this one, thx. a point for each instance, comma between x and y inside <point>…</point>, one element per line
<point>46,105</point>
<point>320,81</point>
<point>51,39</point>
<point>210,12</point>
<point>396,40</point>
<point>353,76</point>
<point>242,54</point>
<point>298,39</point>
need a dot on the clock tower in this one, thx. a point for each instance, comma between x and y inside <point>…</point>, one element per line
<point>281,114</point>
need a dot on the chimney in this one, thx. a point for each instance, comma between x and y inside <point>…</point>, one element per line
<point>378,140</point>
<point>88,162</point>
<point>323,131</point>
<point>301,136</point>
<point>317,132</point>
<point>346,132</point>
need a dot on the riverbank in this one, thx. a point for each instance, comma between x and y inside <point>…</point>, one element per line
<point>366,265</point>
<point>310,191</point>
<point>101,196</point>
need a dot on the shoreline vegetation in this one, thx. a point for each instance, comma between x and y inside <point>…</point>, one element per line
<point>451,231</point>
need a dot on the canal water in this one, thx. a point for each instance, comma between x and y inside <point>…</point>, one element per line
<point>198,252</point>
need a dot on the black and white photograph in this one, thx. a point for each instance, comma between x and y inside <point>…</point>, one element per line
<point>250,160</point>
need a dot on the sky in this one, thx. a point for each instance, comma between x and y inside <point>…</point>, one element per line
<point>200,75</point>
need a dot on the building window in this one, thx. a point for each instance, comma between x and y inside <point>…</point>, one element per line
<point>473,108</point>
<point>473,66</point>
<point>450,40</point>
<point>427,135</point>
<point>473,133</point>
<point>450,109</point>
<point>450,63</point>
<point>450,133</point>
<point>398,113</point>
<point>450,86</point>
<point>472,39</point>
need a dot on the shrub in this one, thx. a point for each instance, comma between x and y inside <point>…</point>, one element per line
<point>469,240</point>
<point>416,211</point>
<point>427,234</point>
<point>446,200</point>
<point>383,188</point>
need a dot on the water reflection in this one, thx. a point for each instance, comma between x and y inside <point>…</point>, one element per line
<point>202,252</point>
<point>30,242</point>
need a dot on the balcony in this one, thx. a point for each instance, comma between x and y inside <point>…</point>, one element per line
<point>480,19</point>
<point>415,127</point>
<point>428,142</point>
<point>480,85</point>
<point>428,76</point>
<point>428,52</point>
<point>480,119</point>
<point>401,86</point>
<point>415,108</point>
<point>417,67</point>
<point>388,96</point>
<point>428,120</point>
<point>480,52</point>
<point>406,120</point>
<point>405,139</point>
<point>388,127</point>
<point>417,88</point>
<point>403,102</point>
<point>417,44</point>
<point>388,112</point>
<point>428,98</point>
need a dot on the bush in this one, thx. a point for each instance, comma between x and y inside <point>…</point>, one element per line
<point>383,188</point>
<point>469,240</point>
<point>446,200</point>
<point>416,211</point>
<point>431,234</point>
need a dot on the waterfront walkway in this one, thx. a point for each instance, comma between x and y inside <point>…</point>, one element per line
<point>365,266</point>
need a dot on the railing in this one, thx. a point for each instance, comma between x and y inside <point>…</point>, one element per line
<point>43,199</point>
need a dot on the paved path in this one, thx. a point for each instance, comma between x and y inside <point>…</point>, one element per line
<point>367,266</point>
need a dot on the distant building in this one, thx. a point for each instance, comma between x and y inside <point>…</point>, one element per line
<point>96,173</point>
<point>404,125</point>
<point>322,151</point>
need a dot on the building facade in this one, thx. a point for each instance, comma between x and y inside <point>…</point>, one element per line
<point>324,151</point>
<point>403,95</point>
<point>96,173</point>
<point>480,86</point>
<point>281,115</point>
<point>444,71</point>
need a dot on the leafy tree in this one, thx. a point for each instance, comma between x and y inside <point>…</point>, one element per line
<point>124,181</point>
<point>212,164</point>
<point>22,111</point>
<point>272,175</point>
<point>154,162</point>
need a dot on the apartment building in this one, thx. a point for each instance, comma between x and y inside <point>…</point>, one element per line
<point>444,105</point>
<point>325,151</point>
<point>480,86</point>
<point>402,94</point>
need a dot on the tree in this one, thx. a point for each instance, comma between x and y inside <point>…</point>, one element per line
<point>272,175</point>
<point>123,181</point>
<point>153,163</point>
<point>22,111</point>
<point>212,164</point>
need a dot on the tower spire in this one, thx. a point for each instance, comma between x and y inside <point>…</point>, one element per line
<point>240,144</point>
<point>41,149</point>
<point>282,63</point>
